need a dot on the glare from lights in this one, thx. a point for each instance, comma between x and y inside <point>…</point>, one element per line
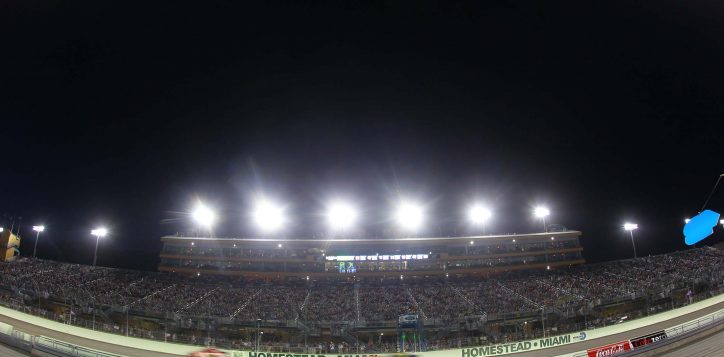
<point>471,242</point>
<point>38,228</point>
<point>204,216</point>
<point>548,267</point>
<point>541,212</point>
<point>687,220</point>
<point>341,216</point>
<point>268,216</point>
<point>2,229</point>
<point>630,226</point>
<point>279,245</point>
<point>479,214</point>
<point>99,232</point>
<point>409,216</point>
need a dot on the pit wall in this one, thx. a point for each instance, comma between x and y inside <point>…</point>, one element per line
<point>143,347</point>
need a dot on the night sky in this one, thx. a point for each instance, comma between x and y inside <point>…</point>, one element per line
<point>123,114</point>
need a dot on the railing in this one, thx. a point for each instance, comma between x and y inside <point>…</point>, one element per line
<point>60,348</point>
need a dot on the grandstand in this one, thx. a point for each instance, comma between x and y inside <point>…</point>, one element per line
<point>337,311</point>
<point>383,258</point>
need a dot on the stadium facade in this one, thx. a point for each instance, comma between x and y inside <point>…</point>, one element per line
<point>395,258</point>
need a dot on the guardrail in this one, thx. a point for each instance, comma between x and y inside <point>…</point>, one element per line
<point>64,349</point>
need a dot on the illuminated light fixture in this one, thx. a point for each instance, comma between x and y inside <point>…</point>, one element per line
<point>409,216</point>
<point>513,240</point>
<point>553,238</point>
<point>542,212</point>
<point>279,245</point>
<point>37,229</point>
<point>268,216</point>
<point>479,214</point>
<point>630,227</point>
<point>204,216</point>
<point>548,267</point>
<point>341,216</point>
<point>471,242</point>
<point>2,229</point>
<point>687,220</point>
<point>720,222</point>
<point>99,233</point>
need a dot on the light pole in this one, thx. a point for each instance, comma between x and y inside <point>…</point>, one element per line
<point>542,212</point>
<point>98,232</point>
<point>37,229</point>
<point>479,215</point>
<point>630,227</point>
<point>258,321</point>
<point>204,217</point>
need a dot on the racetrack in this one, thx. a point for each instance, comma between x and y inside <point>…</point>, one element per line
<point>710,346</point>
<point>580,346</point>
<point>6,351</point>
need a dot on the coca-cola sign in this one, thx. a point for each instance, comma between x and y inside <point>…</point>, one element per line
<point>610,350</point>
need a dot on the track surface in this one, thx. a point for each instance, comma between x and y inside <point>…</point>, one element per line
<point>6,351</point>
<point>575,347</point>
<point>130,351</point>
<point>85,342</point>
<point>710,346</point>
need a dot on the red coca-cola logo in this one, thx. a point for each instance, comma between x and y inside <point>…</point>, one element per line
<point>610,350</point>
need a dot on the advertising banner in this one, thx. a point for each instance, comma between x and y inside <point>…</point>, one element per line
<point>648,339</point>
<point>610,350</point>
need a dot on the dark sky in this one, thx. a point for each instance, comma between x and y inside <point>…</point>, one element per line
<point>122,113</point>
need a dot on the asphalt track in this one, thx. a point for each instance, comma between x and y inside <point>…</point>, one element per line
<point>712,342</point>
<point>580,346</point>
<point>85,342</point>
<point>6,351</point>
<point>710,346</point>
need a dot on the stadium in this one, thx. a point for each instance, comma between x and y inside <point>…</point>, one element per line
<point>363,296</point>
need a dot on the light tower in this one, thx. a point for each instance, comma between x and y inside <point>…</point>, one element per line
<point>37,229</point>
<point>630,227</point>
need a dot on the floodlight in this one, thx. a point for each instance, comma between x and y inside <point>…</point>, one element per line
<point>204,216</point>
<point>479,214</point>
<point>630,226</point>
<point>409,216</point>
<point>541,212</point>
<point>99,232</point>
<point>341,215</point>
<point>38,229</point>
<point>268,216</point>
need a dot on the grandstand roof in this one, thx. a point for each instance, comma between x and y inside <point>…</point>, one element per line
<point>382,241</point>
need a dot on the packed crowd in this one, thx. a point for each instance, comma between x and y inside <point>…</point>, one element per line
<point>441,298</point>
